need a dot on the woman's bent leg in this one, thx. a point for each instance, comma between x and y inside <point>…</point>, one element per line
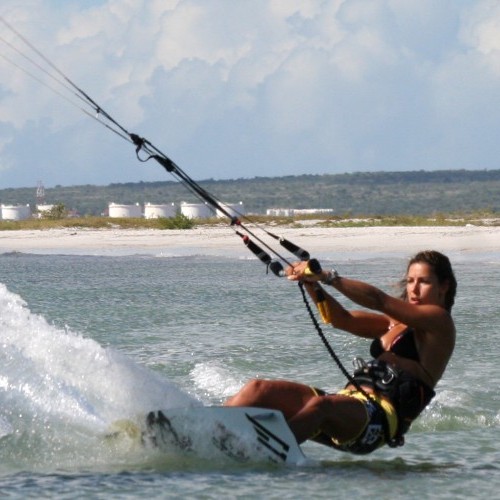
<point>288,397</point>
<point>341,417</point>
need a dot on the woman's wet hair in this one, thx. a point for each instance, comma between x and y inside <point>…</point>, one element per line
<point>441,266</point>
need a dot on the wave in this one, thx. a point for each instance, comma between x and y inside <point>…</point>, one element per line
<point>60,392</point>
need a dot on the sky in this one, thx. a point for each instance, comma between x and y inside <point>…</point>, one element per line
<point>233,89</point>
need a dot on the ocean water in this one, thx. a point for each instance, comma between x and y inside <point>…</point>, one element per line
<point>87,340</point>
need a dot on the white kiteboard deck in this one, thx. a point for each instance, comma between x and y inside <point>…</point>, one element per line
<point>242,434</point>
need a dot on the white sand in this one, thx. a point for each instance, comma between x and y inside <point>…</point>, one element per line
<point>352,242</point>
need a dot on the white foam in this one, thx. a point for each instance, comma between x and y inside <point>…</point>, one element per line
<point>58,374</point>
<point>215,382</point>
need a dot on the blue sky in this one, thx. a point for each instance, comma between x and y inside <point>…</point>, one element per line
<point>245,88</point>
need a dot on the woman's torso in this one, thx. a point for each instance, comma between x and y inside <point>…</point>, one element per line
<point>421,354</point>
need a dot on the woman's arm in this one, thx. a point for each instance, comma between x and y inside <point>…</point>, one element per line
<point>424,317</point>
<point>361,323</point>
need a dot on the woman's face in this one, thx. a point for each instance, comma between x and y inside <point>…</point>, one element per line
<point>423,287</point>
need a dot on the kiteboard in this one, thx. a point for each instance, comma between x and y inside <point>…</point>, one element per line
<point>241,434</point>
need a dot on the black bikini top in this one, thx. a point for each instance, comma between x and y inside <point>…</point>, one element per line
<point>403,345</point>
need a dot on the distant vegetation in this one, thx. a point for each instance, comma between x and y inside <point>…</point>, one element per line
<point>182,222</point>
<point>91,222</point>
<point>418,193</point>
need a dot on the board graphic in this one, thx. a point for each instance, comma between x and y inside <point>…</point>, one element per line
<point>242,434</point>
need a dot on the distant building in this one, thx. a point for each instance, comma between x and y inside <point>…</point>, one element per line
<point>196,210</point>
<point>290,212</point>
<point>280,212</point>
<point>152,211</point>
<point>119,211</point>
<point>43,210</point>
<point>16,212</point>
<point>234,209</point>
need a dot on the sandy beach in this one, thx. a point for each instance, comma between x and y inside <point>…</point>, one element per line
<point>321,242</point>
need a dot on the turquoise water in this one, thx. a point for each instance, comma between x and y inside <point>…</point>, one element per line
<point>87,340</point>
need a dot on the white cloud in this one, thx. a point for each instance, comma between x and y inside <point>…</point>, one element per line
<point>268,87</point>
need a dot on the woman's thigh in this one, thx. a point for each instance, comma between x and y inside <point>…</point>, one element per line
<point>289,397</point>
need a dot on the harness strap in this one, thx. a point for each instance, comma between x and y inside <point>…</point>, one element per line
<point>407,394</point>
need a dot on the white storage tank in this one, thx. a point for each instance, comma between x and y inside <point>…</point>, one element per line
<point>117,210</point>
<point>280,212</point>
<point>196,210</point>
<point>43,208</point>
<point>234,209</point>
<point>16,212</point>
<point>152,211</point>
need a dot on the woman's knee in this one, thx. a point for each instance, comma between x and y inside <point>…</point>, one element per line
<point>257,388</point>
<point>253,392</point>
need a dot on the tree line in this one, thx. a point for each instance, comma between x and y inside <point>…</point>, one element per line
<point>358,193</point>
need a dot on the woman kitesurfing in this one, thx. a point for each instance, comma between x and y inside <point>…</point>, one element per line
<point>412,341</point>
<point>412,336</point>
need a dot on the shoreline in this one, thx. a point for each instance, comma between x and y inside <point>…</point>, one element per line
<point>208,240</point>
